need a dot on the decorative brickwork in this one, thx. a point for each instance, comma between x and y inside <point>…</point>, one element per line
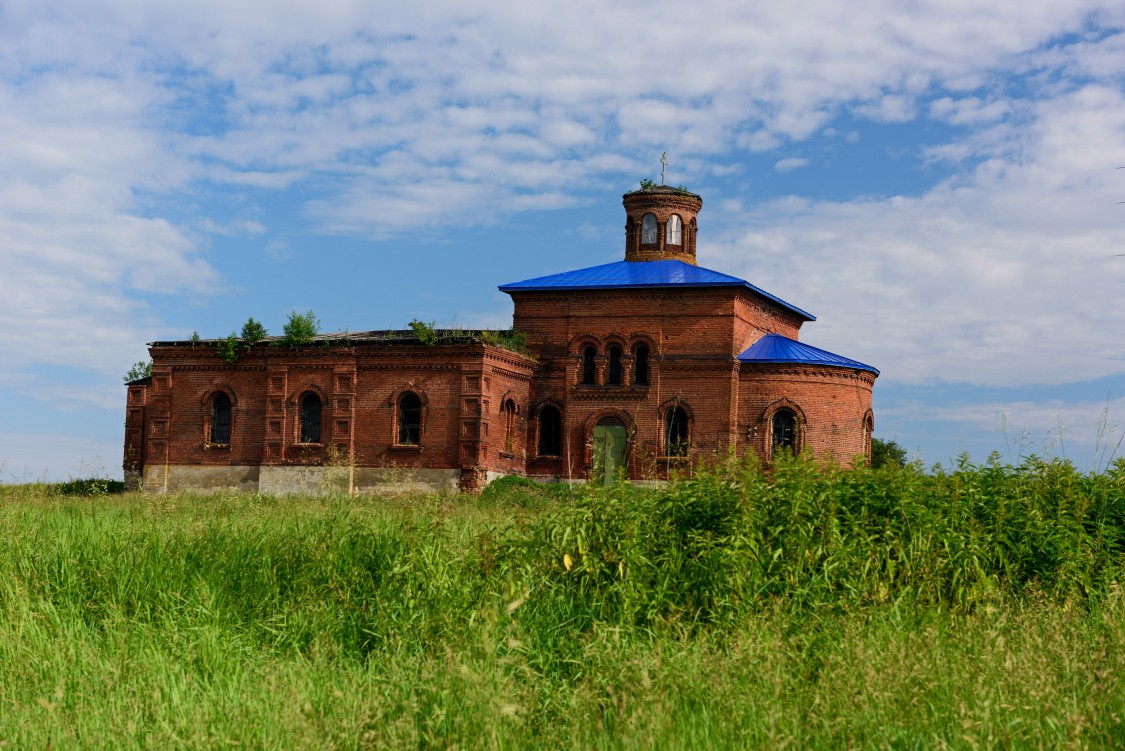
<point>656,348</point>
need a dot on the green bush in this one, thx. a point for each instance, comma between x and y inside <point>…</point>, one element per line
<point>301,329</point>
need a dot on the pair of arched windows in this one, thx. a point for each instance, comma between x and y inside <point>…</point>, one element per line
<point>408,414</point>
<point>673,230</point>
<point>615,371</point>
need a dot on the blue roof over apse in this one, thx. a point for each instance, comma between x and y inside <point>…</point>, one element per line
<point>642,274</point>
<point>780,349</point>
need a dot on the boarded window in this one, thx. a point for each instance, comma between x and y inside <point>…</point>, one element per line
<point>550,432</point>
<point>220,419</point>
<point>615,366</point>
<point>310,418</point>
<point>785,430</point>
<point>648,229</point>
<point>409,419</point>
<point>640,365</point>
<point>675,432</point>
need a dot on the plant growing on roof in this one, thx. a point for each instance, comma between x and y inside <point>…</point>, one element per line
<point>253,332</point>
<point>140,369</point>
<point>425,332</point>
<point>513,340</point>
<point>300,329</point>
<point>228,348</point>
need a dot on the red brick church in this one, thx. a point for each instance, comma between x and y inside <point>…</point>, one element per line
<point>631,369</point>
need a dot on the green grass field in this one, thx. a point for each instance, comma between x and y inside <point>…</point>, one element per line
<point>812,608</point>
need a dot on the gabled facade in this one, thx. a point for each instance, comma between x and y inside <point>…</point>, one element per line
<point>633,369</point>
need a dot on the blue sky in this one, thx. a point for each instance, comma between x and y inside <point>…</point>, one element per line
<point>936,182</point>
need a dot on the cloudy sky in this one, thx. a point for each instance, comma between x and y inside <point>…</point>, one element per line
<point>938,182</point>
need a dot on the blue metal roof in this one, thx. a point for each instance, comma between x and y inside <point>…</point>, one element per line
<point>781,349</point>
<point>642,274</point>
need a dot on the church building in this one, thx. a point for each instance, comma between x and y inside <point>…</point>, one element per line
<point>628,370</point>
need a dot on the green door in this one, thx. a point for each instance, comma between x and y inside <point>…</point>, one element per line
<point>611,439</point>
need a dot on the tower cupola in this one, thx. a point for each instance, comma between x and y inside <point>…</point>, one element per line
<point>660,224</point>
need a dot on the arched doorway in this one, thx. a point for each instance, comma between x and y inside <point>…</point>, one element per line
<point>610,447</point>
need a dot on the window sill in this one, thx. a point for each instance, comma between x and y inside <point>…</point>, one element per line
<point>308,445</point>
<point>507,455</point>
<point>406,447</point>
<point>216,447</point>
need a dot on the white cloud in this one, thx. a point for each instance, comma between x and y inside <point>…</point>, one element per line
<point>436,113</point>
<point>1009,276</point>
<point>790,164</point>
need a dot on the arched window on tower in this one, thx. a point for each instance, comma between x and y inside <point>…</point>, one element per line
<point>615,375</point>
<point>409,419</point>
<point>784,431</point>
<point>550,431</point>
<point>648,229</point>
<point>675,432</point>
<point>588,355</point>
<point>673,235</point>
<point>220,419</point>
<point>310,418</point>
<point>640,365</point>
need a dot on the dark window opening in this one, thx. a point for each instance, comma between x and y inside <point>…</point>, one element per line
<point>550,432</point>
<point>615,365</point>
<point>220,419</point>
<point>675,432</point>
<point>588,355</point>
<point>785,430</point>
<point>640,365</point>
<point>310,418</point>
<point>409,419</point>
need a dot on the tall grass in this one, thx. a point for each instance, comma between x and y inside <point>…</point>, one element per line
<point>809,607</point>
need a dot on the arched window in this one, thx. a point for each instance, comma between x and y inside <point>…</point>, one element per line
<point>550,432</point>
<point>673,235</point>
<point>640,365</point>
<point>648,229</point>
<point>588,355</point>
<point>675,432</point>
<point>615,365</point>
<point>310,418</point>
<point>868,428</point>
<point>785,430</point>
<point>220,419</point>
<point>409,419</point>
<point>509,411</point>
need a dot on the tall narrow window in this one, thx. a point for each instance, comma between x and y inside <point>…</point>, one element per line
<point>648,229</point>
<point>615,365</point>
<point>220,419</point>
<point>509,410</point>
<point>588,355</point>
<point>550,432</point>
<point>785,430</point>
<point>673,235</point>
<point>409,419</point>
<point>675,432</point>
<point>310,418</point>
<point>640,365</point>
